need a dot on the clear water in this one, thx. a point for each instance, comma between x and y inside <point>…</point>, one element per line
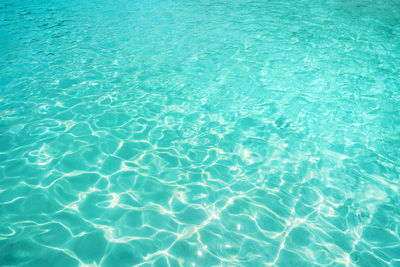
<point>200,133</point>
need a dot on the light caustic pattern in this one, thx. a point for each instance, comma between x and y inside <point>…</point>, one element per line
<point>199,133</point>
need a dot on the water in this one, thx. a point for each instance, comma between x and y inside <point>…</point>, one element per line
<point>199,133</point>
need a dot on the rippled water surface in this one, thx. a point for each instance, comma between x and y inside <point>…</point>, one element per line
<point>200,133</point>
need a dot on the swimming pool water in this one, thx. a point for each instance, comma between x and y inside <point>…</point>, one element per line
<point>199,133</point>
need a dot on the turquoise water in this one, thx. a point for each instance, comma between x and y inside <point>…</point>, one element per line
<point>199,133</point>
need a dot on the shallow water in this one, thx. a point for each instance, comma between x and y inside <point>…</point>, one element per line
<point>199,133</point>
